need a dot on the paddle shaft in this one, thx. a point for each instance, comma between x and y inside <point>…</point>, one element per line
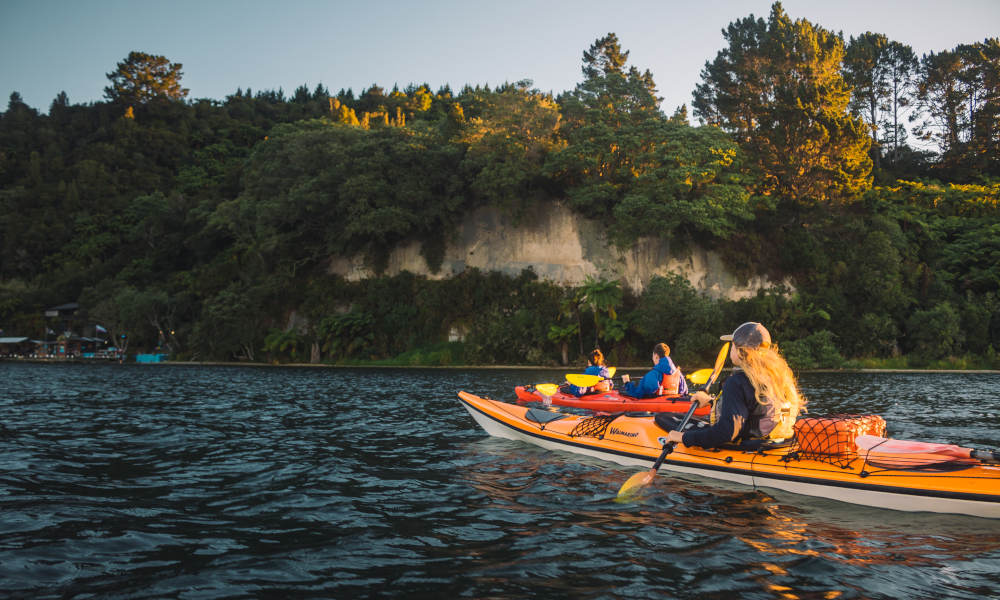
<point>694,405</point>
<point>582,380</point>
<point>670,446</point>
<point>643,478</point>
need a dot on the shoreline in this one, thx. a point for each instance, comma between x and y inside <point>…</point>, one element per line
<point>447,367</point>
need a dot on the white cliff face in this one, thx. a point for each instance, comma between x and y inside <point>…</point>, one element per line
<point>560,246</point>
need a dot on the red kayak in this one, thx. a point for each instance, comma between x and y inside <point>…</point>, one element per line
<point>612,401</point>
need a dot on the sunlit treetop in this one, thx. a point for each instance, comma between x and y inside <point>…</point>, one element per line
<point>143,77</point>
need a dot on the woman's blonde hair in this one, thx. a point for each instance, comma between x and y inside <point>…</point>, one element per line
<point>773,383</point>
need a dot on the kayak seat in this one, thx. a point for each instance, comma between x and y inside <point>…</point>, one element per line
<point>758,446</point>
<point>670,422</point>
<point>776,444</point>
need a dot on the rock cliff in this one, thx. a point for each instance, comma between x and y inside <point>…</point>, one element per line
<point>563,247</point>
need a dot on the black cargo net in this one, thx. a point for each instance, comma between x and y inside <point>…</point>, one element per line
<point>831,439</point>
<point>594,426</point>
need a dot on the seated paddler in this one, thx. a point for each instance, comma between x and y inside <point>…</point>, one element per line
<point>595,366</point>
<point>665,379</point>
<point>759,401</point>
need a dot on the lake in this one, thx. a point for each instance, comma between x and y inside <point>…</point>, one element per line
<point>174,481</point>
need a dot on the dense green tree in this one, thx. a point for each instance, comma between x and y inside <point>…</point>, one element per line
<point>233,321</point>
<point>980,322</point>
<point>318,188</point>
<point>670,310</point>
<point>692,185</point>
<point>509,134</point>
<point>351,334</point>
<point>778,89</point>
<point>971,257</point>
<point>984,58</point>
<point>143,77</point>
<point>876,287</point>
<point>816,351</point>
<point>288,342</point>
<point>610,126</point>
<point>934,333</point>
<point>942,98</point>
<point>563,335</point>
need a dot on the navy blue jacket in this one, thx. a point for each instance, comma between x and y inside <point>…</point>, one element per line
<point>736,408</point>
<point>649,385</point>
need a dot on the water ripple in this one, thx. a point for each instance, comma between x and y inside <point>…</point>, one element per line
<point>123,481</point>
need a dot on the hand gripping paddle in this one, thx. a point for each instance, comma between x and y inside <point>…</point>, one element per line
<point>644,478</point>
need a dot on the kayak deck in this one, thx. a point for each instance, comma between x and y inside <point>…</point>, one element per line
<point>637,441</point>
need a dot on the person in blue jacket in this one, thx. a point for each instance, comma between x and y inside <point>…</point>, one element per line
<point>595,366</point>
<point>664,379</point>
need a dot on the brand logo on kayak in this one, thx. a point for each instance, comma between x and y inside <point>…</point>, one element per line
<point>616,431</point>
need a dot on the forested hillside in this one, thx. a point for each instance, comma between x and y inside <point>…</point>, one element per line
<point>864,174</point>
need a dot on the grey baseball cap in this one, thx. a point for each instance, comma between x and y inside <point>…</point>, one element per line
<point>750,335</point>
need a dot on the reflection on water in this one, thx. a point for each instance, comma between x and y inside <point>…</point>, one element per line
<point>136,482</point>
<point>792,547</point>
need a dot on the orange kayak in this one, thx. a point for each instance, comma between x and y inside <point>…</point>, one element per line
<point>966,487</point>
<point>612,402</point>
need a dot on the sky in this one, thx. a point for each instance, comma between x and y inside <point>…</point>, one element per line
<point>48,46</point>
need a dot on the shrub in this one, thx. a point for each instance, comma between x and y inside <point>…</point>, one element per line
<point>817,351</point>
<point>934,333</point>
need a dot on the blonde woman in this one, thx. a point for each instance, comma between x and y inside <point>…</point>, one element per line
<point>759,401</point>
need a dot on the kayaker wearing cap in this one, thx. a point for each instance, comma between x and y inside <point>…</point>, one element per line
<point>759,401</point>
<point>664,379</point>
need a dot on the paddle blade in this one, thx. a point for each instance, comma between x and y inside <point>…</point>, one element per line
<point>581,380</point>
<point>546,389</point>
<point>700,376</point>
<point>611,371</point>
<point>635,484</point>
<point>720,360</point>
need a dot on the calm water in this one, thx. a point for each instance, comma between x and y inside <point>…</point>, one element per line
<point>206,482</point>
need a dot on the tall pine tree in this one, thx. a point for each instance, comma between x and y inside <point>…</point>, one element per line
<point>958,93</point>
<point>779,90</point>
<point>611,122</point>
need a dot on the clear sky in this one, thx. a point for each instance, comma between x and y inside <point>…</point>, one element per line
<point>48,46</point>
